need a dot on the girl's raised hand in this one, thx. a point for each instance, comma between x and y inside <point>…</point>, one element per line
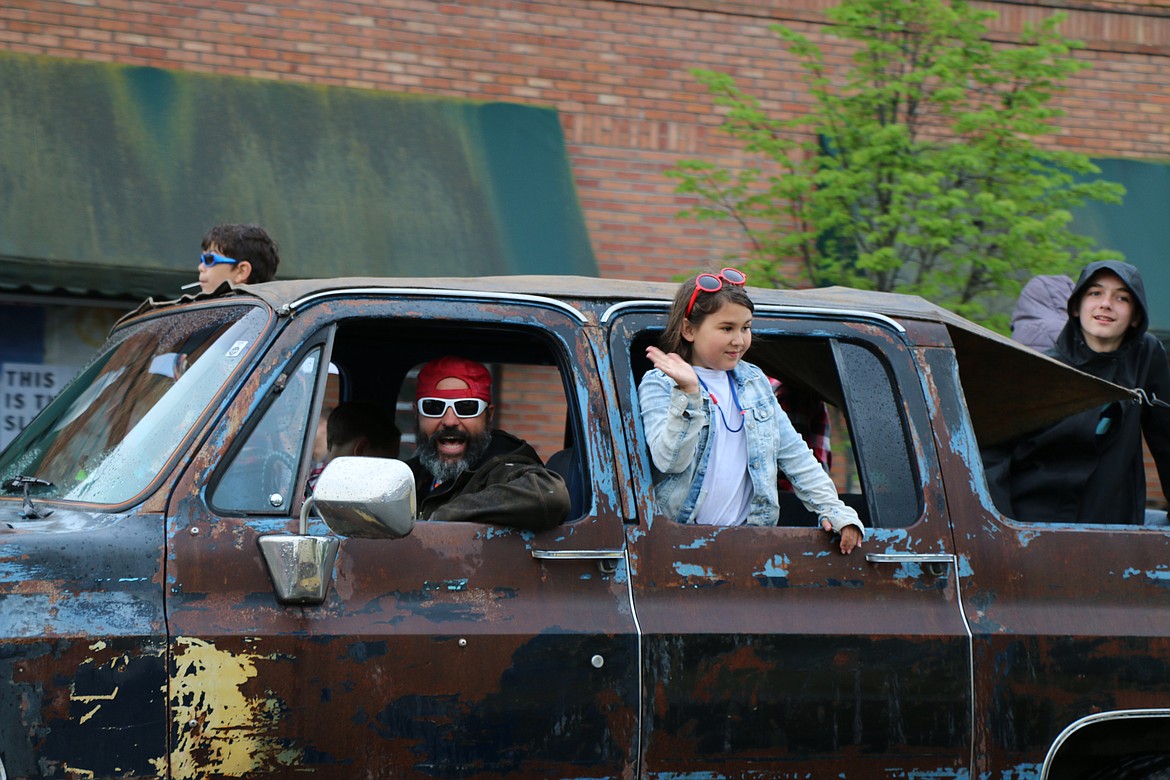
<point>682,372</point>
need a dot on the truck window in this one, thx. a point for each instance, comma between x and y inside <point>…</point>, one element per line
<point>893,497</point>
<point>261,475</point>
<point>111,431</point>
<point>840,397</point>
<point>376,360</point>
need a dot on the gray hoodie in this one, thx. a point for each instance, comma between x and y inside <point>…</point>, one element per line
<point>1040,314</point>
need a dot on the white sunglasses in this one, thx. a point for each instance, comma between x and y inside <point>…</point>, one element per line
<point>464,407</point>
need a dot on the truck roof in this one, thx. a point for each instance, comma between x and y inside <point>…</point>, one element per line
<point>1010,389</point>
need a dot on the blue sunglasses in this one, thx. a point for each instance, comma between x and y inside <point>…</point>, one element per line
<point>211,258</point>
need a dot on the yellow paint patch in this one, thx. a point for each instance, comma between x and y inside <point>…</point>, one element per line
<point>220,731</point>
<point>95,697</point>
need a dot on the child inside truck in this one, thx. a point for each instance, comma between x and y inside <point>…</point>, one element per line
<point>717,434</point>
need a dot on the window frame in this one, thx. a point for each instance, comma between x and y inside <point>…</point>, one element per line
<point>879,336</point>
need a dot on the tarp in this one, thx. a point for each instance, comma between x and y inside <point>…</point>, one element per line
<point>110,175</point>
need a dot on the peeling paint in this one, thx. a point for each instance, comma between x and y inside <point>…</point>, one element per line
<point>887,536</point>
<point>451,585</point>
<point>776,566</point>
<point>1160,575</point>
<point>963,566</point>
<point>219,730</point>
<point>908,571</point>
<point>1025,537</point>
<point>694,570</point>
<point>95,697</point>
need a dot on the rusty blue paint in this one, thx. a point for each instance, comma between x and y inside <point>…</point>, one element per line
<point>694,570</point>
<point>1025,537</point>
<point>774,574</point>
<point>908,571</point>
<point>738,678</point>
<point>776,566</point>
<point>1160,574</point>
<point>887,536</point>
<point>963,566</point>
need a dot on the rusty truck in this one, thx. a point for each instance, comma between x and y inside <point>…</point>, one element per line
<point>173,605</point>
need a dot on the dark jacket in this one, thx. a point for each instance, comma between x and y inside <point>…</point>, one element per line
<point>507,486</point>
<point>1089,468</point>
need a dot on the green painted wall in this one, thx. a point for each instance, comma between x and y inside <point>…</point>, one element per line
<point>1139,228</point>
<point>109,175</point>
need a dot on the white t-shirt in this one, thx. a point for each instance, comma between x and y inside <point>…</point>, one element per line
<point>727,488</point>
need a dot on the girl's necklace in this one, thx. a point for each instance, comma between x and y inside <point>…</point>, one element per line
<point>734,400</point>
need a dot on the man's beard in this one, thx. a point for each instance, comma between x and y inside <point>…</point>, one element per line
<point>444,469</point>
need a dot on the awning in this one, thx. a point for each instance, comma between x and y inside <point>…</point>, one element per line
<point>81,280</point>
<point>110,175</point>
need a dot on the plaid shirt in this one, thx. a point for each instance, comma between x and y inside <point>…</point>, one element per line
<point>810,418</point>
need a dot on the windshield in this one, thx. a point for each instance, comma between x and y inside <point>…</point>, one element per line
<point>112,429</point>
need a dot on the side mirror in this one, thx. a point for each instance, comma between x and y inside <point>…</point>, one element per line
<point>366,498</point>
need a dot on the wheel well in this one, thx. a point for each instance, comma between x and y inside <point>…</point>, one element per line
<point>1097,744</point>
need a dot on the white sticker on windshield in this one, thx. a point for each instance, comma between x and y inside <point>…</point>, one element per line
<point>237,348</point>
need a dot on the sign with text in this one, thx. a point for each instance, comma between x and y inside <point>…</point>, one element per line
<point>25,389</point>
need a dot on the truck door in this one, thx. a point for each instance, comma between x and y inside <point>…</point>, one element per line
<point>766,652</point>
<point>1069,621</point>
<point>461,650</point>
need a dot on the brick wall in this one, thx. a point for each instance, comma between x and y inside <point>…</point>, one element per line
<point>616,71</point>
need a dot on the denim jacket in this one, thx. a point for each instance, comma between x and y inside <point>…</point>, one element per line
<point>677,429</point>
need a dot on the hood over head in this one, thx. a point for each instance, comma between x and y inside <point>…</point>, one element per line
<point>1132,278</point>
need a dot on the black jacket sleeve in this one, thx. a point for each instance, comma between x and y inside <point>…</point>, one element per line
<point>1155,417</point>
<point>509,490</point>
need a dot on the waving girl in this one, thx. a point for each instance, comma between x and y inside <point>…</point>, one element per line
<point>717,434</point>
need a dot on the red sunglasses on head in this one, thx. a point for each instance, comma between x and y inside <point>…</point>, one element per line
<point>710,283</point>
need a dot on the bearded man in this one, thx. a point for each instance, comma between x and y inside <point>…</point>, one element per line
<point>464,470</point>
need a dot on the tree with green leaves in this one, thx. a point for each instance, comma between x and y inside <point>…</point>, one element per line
<point>919,167</point>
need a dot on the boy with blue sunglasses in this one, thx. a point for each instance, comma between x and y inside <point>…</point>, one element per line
<point>237,254</point>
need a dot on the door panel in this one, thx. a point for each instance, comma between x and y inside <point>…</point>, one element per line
<point>453,652</point>
<point>1069,622</point>
<point>767,652</point>
<point>82,647</point>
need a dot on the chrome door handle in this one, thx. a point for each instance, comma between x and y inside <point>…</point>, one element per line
<point>578,555</point>
<point>934,563</point>
<point>607,560</point>
<point>909,558</point>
